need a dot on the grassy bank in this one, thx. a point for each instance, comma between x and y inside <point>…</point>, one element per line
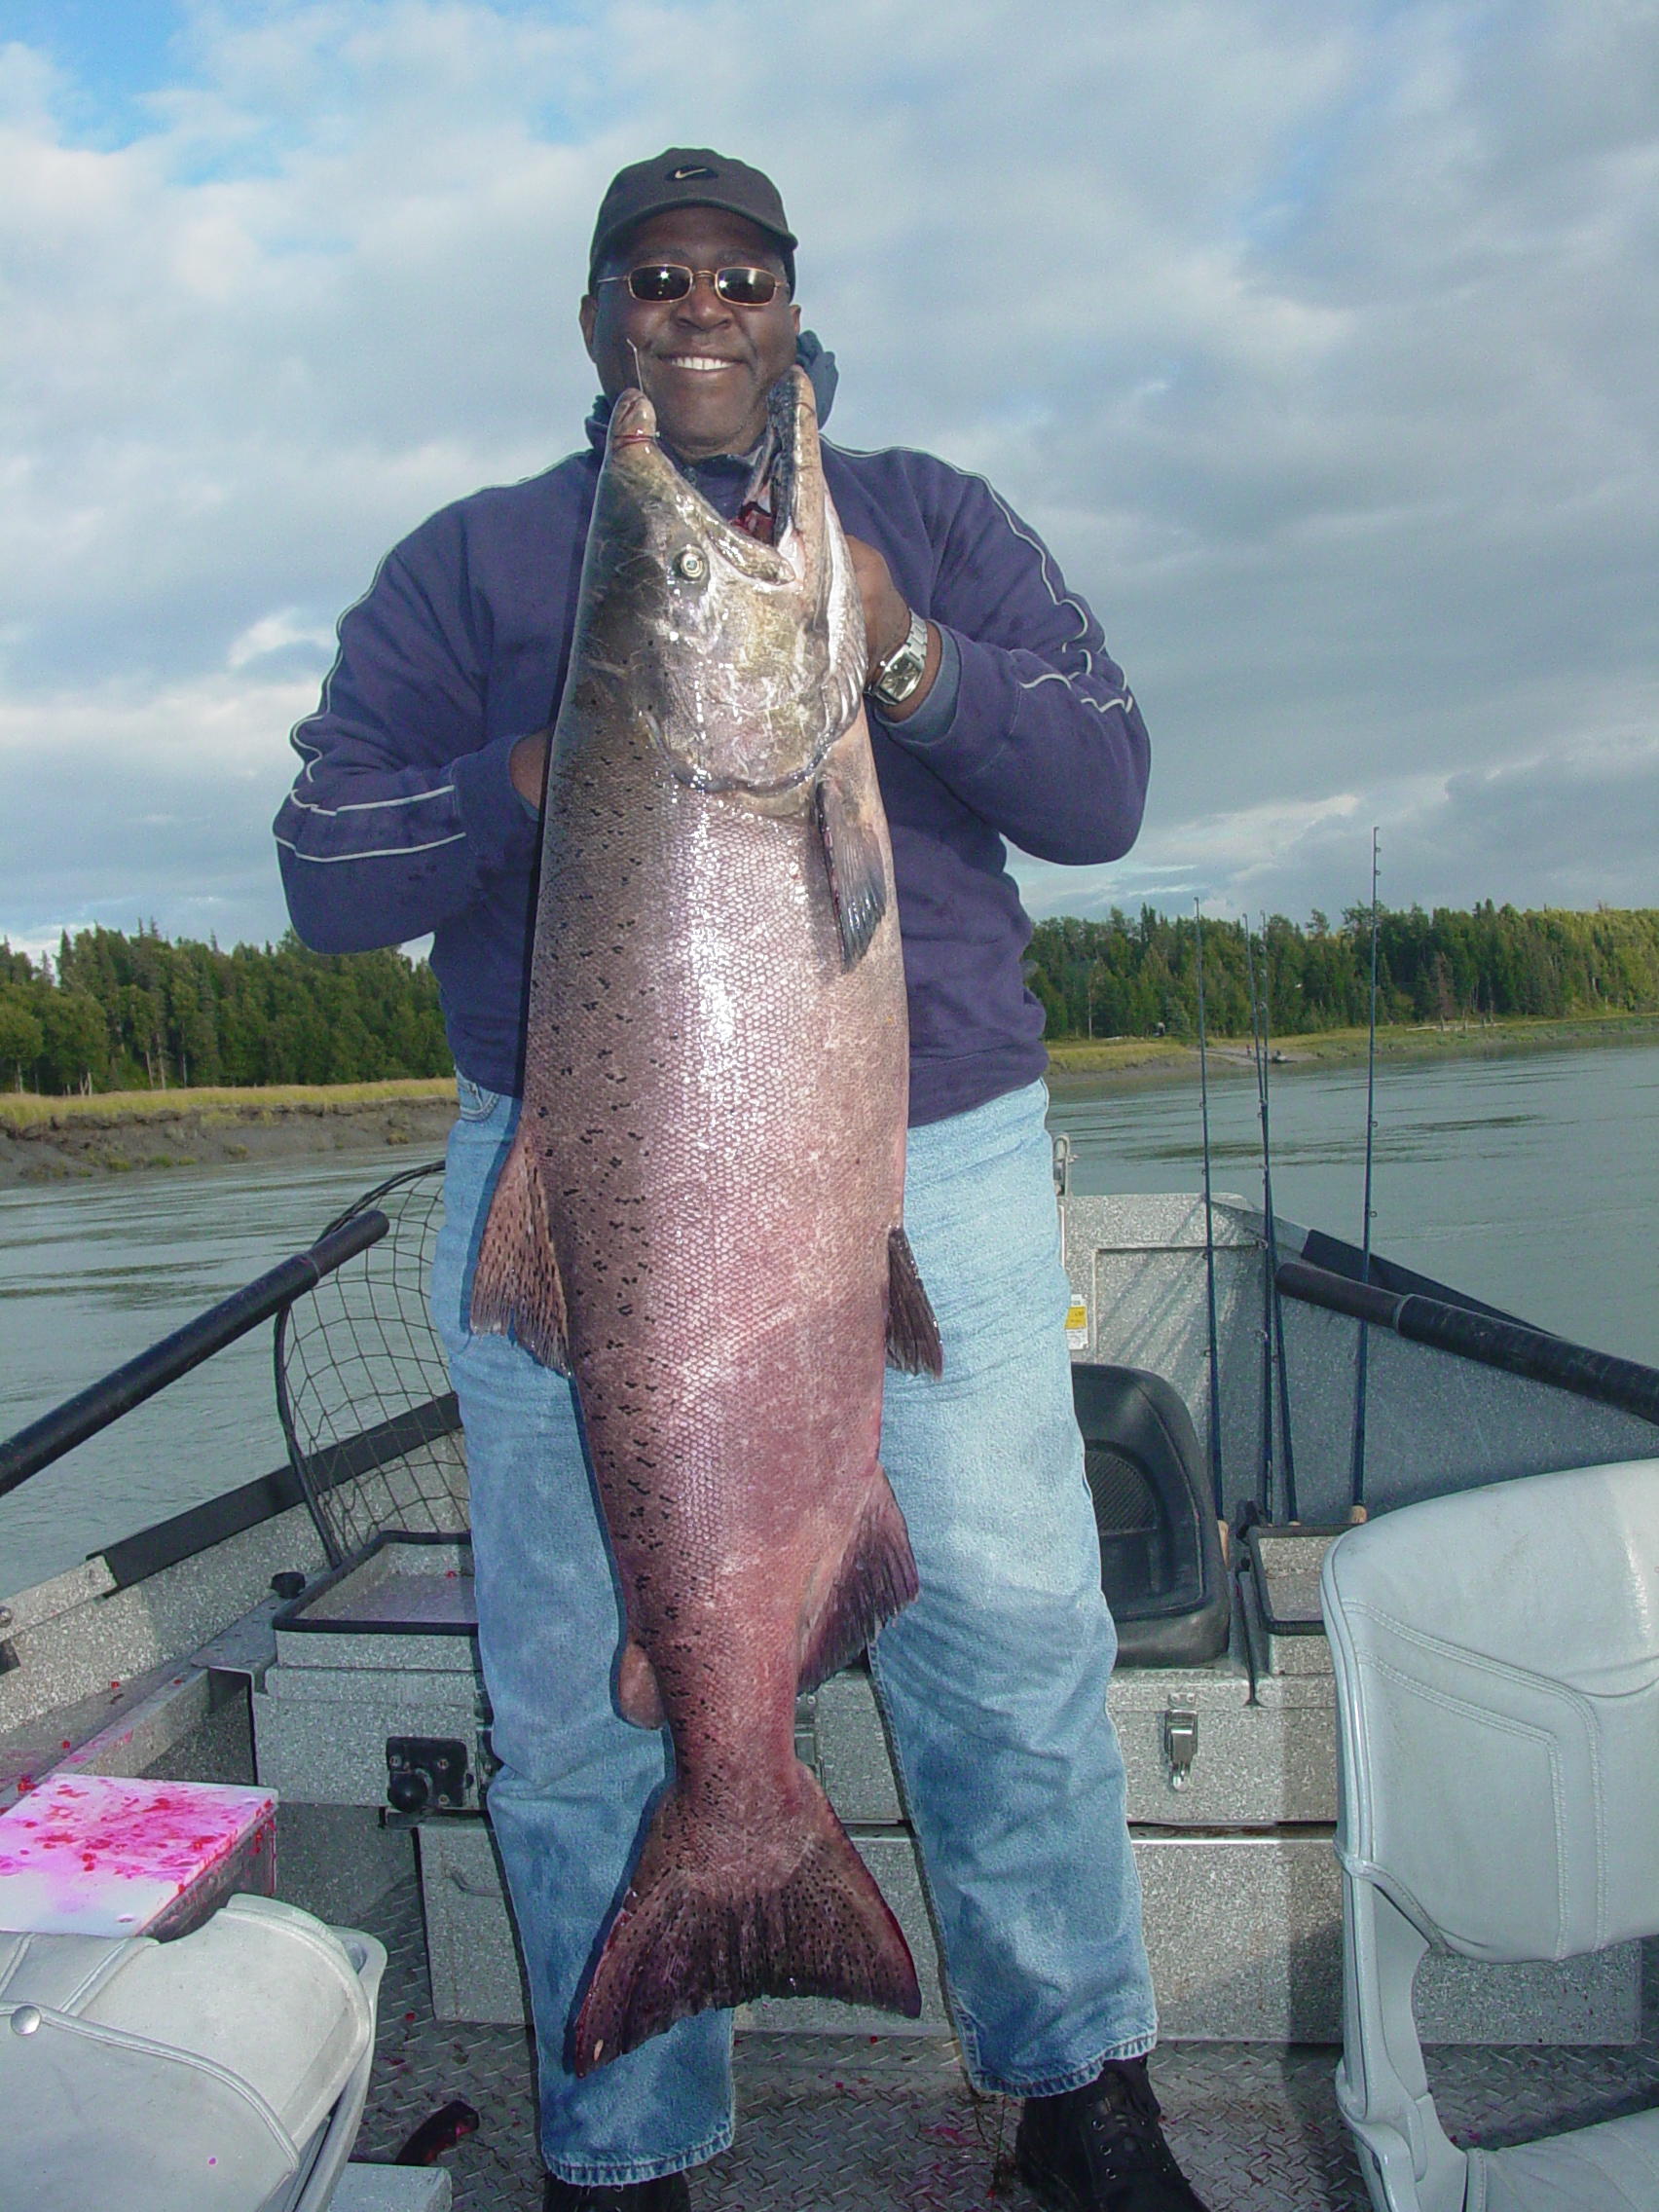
<point>116,1132</point>
<point>108,1108</point>
<point>44,1140</point>
<point>1137,1058</point>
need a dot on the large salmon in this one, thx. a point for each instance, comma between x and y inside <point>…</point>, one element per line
<point>700,1219</point>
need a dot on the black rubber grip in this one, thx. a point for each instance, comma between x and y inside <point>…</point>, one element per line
<point>1482,1337</point>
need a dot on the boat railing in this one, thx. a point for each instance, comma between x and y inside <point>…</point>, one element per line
<point>1489,1339</point>
<point>105,1401</point>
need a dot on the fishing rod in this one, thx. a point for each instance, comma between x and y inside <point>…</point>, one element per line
<point>1216,1484</point>
<point>1265,1473</point>
<point>1356,1484</point>
<point>1287,1456</point>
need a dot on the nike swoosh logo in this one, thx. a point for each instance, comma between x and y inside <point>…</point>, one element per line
<point>679,177</point>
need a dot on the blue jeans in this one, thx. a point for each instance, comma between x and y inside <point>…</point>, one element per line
<point>993,1683</point>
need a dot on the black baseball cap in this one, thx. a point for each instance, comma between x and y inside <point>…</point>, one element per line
<point>691,176</point>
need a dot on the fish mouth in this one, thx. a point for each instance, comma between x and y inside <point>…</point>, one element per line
<point>780,562</point>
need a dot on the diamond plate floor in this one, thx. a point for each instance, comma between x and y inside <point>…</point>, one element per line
<point>891,2125</point>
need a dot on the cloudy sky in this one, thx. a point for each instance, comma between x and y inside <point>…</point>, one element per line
<point>1321,340</point>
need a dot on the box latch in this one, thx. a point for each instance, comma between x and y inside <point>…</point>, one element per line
<point>1180,1742</point>
<point>806,1731</point>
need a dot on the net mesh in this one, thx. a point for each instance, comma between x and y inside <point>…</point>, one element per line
<point>362,1385</point>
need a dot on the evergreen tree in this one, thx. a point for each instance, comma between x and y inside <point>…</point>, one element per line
<point>1123,977</point>
<point>139,1012</point>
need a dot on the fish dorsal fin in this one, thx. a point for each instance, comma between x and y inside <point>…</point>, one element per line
<point>913,1331</point>
<point>516,1291</point>
<point>851,853</point>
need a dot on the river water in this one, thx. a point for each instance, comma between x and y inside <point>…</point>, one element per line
<point>1530,1181</point>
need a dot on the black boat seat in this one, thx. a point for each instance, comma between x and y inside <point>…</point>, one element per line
<point>1161,1562</point>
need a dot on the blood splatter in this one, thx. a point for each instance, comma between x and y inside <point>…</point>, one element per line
<point>103,1853</point>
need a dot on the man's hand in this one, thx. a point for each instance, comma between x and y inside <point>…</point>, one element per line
<point>886,615</point>
<point>527,764</point>
<point>887,621</point>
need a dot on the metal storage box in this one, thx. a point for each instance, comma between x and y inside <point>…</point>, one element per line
<point>376,1697</point>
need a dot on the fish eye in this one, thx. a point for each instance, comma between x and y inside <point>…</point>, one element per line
<point>690,565</point>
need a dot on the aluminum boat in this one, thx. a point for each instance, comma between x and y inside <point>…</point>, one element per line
<point>305,1642</point>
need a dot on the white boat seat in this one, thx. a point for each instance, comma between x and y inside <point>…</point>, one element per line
<point>225,2070</point>
<point>1614,2166</point>
<point>1496,1658</point>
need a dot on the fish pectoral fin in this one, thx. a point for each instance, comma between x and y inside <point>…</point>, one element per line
<point>875,1579</point>
<point>912,1330</point>
<point>516,1291</point>
<point>852,854</point>
<point>637,1692</point>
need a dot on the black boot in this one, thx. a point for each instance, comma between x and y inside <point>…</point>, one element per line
<point>669,2194</point>
<point>1099,2149</point>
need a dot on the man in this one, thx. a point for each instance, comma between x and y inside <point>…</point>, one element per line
<point>995,711</point>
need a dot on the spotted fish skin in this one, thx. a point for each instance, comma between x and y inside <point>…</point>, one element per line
<point>701,1217</point>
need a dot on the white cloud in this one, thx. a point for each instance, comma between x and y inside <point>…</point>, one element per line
<point>1319,343</point>
<point>1583,819</point>
<point>275,634</point>
<point>132,802</point>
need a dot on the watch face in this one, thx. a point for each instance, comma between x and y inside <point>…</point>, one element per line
<point>901,679</point>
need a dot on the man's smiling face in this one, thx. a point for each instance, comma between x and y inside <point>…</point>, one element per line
<point>707,367</point>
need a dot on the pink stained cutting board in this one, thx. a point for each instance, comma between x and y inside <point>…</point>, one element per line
<point>109,1855</point>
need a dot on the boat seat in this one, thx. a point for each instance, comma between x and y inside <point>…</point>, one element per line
<point>224,2071</point>
<point>1161,1562</point>
<point>1496,1659</point>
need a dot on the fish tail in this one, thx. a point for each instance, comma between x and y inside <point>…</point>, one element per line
<point>693,1935</point>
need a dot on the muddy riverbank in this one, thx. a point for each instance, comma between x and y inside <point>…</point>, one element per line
<point>46,1141</point>
<point>50,1141</point>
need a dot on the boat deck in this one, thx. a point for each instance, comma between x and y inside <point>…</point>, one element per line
<point>889,2125</point>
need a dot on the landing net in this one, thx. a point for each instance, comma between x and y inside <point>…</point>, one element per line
<point>362,1385</point>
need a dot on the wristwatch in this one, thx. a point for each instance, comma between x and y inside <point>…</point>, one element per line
<point>903,668</point>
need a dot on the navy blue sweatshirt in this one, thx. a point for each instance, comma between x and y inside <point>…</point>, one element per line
<point>404,819</point>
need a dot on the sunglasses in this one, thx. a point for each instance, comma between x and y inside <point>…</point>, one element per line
<point>657,282</point>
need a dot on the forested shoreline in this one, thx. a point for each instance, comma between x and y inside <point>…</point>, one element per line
<point>113,1012</point>
<point>1139,977</point>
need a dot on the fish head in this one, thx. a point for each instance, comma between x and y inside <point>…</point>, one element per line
<point>744,660</point>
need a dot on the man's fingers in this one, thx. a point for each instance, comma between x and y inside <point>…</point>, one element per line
<point>527,765</point>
